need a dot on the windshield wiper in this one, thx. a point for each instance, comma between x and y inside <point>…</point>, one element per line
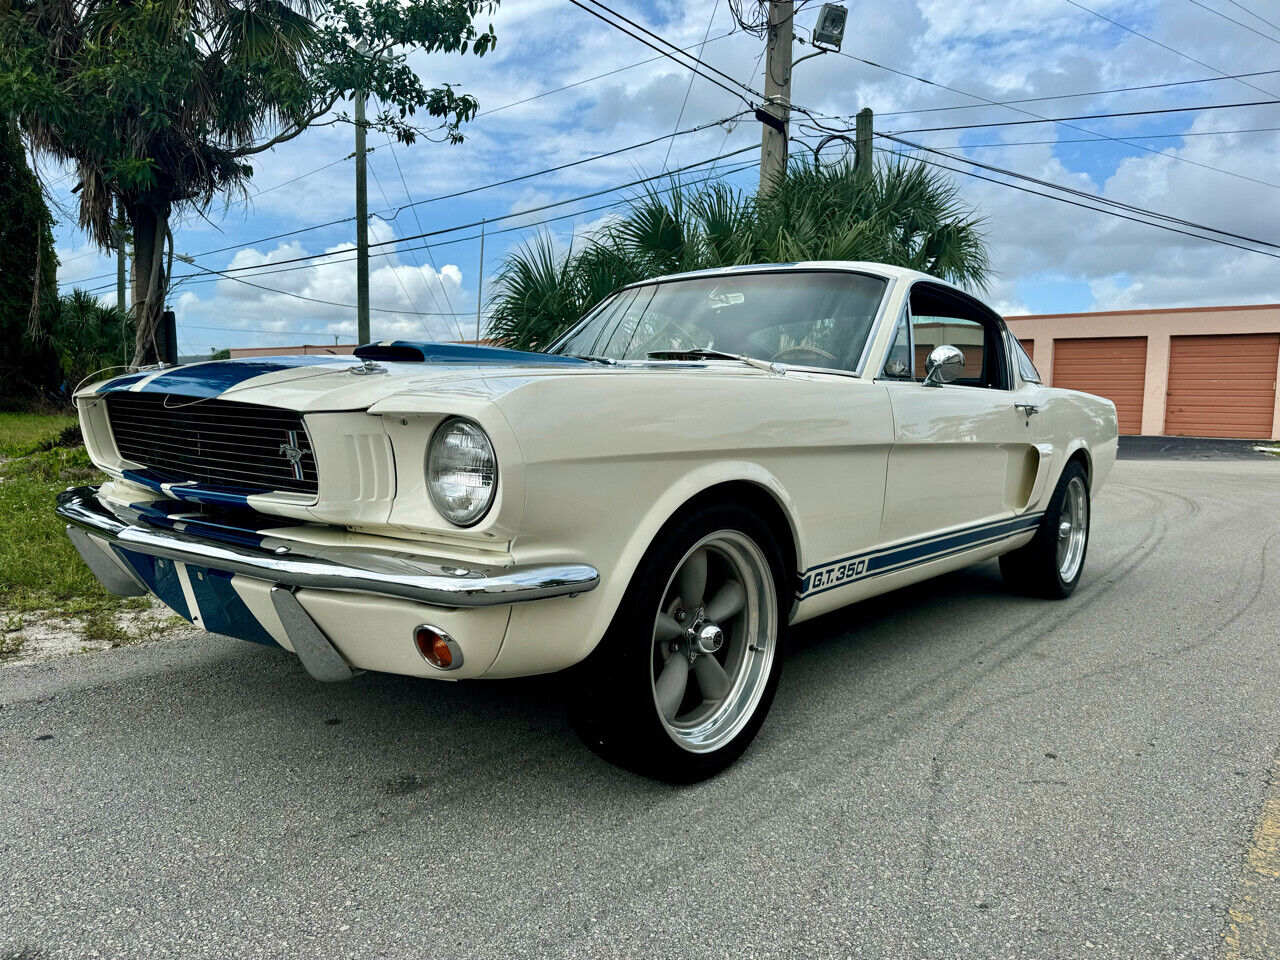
<point>702,353</point>
<point>607,361</point>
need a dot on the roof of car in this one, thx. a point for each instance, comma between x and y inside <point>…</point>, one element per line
<point>852,266</point>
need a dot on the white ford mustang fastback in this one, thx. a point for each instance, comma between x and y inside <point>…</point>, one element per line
<point>702,461</point>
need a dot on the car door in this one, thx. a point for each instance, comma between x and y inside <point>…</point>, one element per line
<point>963,460</point>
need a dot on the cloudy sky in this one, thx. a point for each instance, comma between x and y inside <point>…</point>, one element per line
<point>1217,167</point>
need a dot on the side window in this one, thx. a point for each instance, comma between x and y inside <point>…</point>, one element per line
<point>897,365</point>
<point>941,317</point>
<point>1026,369</point>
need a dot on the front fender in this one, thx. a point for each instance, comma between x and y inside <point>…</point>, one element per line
<point>554,634</point>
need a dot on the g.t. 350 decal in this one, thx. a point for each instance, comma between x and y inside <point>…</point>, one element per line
<point>836,573</point>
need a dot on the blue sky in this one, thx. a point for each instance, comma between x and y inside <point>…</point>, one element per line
<point>1048,257</point>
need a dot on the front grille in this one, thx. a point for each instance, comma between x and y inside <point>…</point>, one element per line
<point>214,442</point>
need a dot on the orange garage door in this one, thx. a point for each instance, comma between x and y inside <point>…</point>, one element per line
<point>1111,367</point>
<point>1222,386</point>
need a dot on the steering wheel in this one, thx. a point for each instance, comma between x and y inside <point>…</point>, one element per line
<point>803,356</point>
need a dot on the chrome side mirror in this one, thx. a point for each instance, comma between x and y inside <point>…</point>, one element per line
<point>944,365</point>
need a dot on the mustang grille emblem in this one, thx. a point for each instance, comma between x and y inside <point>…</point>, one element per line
<point>293,453</point>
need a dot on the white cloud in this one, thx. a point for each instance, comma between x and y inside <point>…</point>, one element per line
<point>990,48</point>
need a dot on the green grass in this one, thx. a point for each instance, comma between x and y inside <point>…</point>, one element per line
<point>39,569</point>
<point>21,433</point>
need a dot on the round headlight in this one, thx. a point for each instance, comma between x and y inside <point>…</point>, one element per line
<point>462,472</point>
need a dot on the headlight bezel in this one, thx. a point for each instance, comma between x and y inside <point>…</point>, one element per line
<point>430,479</point>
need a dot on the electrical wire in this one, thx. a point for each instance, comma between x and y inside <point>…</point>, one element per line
<point>1076,203</point>
<point>1145,136</point>
<point>1093,116</point>
<point>715,5</point>
<point>213,274</point>
<point>1071,126</point>
<point>1072,96</point>
<point>507,216</point>
<point>1219,13</point>
<point>1241,6</point>
<point>1084,194</point>
<point>668,52</point>
<point>392,214</point>
<point>1185,56</point>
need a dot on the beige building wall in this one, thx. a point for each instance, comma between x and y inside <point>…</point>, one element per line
<point>306,349</point>
<point>1158,326</point>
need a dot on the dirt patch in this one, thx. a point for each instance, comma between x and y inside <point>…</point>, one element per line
<point>33,637</point>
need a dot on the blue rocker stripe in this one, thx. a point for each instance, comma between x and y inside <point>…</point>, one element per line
<point>883,560</point>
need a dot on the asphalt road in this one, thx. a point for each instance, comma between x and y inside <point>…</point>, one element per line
<point>949,772</point>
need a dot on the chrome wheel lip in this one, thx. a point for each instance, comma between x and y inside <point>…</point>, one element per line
<point>1073,529</point>
<point>750,640</point>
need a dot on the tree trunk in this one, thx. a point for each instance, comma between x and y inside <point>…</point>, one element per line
<point>150,284</point>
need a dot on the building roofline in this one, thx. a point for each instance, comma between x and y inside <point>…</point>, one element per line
<point>1130,313</point>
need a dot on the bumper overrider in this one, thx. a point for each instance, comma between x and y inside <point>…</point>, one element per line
<point>110,543</point>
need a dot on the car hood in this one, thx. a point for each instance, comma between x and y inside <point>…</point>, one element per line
<point>334,383</point>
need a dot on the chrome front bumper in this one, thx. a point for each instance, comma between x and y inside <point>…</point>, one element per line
<point>409,576</point>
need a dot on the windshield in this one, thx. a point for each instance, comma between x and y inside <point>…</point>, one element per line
<point>809,319</point>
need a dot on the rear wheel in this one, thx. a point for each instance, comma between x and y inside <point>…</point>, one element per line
<point>1051,564</point>
<point>686,673</point>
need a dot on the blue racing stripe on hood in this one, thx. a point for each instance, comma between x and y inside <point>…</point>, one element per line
<point>214,377</point>
<point>423,351</point>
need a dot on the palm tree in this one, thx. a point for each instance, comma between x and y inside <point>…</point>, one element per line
<point>901,213</point>
<point>89,336</point>
<point>160,105</point>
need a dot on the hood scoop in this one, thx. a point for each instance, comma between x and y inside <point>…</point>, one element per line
<point>424,351</point>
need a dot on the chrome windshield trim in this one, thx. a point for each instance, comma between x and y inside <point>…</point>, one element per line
<point>406,576</point>
<point>890,285</point>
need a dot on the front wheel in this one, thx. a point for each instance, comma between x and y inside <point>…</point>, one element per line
<point>1051,564</point>
<point>683,678</point>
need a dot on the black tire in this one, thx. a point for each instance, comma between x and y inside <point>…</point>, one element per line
<point>614,693</point>
<point>1035,569</point>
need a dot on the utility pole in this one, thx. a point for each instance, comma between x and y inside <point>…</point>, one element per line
<point>863,140</point>
<point>362,228</point>
<point>480,284</point>
<point>122,304</point>
<point>776,111</point>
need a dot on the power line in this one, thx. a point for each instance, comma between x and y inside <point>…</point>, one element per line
<point>287,293</point>
<point>1025,112</point>
<point>1165,46</point>
<point>507,216</point>
<point>598,76</point>
<point>1094,116</point>
<point>729,171</point>
<point>1259,16</point>
<point>667,53</point>
<point>392,214</point>
<point>1145,136</point>
<point>1072,96</point>
<point>1219,13</point>
<point>1080,193</point>
<point>715,5</point>
<point>430,253</point>
<point>209,273</point>
<point>1075,203</point>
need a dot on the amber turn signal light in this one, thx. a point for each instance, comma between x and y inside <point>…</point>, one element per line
<point>437,648</point>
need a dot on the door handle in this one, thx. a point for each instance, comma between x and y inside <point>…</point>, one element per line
<point>1027,408</point>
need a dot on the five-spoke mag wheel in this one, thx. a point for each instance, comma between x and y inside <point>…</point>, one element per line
<point>687,670</point>
<point>714,638</point>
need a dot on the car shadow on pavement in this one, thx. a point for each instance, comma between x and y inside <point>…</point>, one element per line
<point>405,737</point>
